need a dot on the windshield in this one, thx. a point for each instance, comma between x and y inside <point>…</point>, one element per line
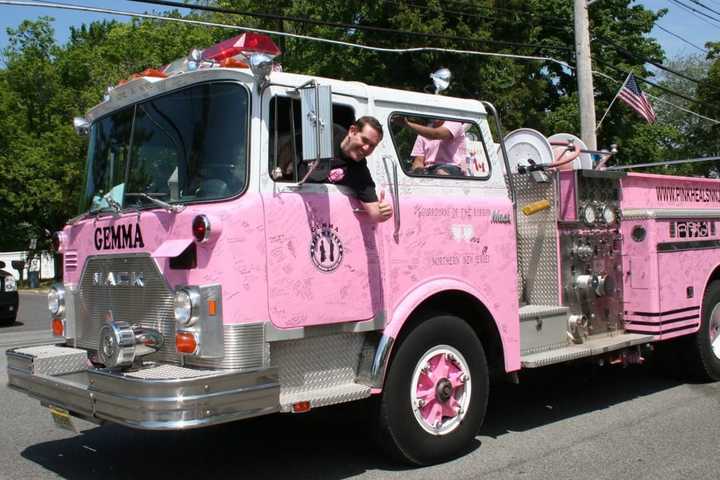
<point>185,146</point>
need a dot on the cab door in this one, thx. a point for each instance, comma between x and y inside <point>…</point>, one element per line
<point>323,256</point>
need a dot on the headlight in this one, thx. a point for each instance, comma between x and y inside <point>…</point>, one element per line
<point>186,306</point>
<point>608,215</point>
<point>56,300</point>
<point>588,214</point>
<point>10,285</point>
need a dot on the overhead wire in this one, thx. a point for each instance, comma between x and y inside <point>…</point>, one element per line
<point>680,37</point>
<point>693,12</point>
<point>66,6</point>
<point>348,26</point>
<point>696,2</point>
<point>323,40</point>
<point>659,99</point>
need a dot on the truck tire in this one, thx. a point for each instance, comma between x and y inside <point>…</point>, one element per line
<point>704,351</point>
<point>435,394</point>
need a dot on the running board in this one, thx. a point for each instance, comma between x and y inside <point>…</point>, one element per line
<point>590,348</point>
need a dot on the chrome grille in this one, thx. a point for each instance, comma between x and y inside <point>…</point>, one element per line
<point>245,349</point>
<point>149,306</point>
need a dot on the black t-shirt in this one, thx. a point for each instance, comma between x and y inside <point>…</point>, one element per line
<point>356,175</point>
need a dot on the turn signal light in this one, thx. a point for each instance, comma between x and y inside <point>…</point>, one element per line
<point>58,329</point>
<point>185,342</point>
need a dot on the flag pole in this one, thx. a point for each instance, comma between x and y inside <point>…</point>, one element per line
<point>611,103</point>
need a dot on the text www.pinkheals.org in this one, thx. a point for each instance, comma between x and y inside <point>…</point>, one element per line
<point>687,194</point>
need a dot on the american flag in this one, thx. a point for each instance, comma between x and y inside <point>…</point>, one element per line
<point>630,93</point>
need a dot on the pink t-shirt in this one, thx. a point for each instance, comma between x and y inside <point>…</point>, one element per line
<point>450,151</point>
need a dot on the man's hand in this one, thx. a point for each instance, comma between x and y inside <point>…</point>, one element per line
<point>384,208</point>
<point>379,211</point>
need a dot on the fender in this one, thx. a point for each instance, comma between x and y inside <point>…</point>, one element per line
<point>509,334</point>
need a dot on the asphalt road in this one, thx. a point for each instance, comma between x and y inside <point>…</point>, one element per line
<point>565,422</point>
<point>32,313</point>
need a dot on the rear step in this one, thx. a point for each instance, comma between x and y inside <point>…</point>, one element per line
<point>590,348</point>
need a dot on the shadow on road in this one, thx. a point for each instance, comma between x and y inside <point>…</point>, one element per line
<point>5,324</point>
<point>332,443</point>
<point>560,392</point>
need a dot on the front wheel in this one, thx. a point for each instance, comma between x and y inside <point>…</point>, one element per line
<point>435,393</point>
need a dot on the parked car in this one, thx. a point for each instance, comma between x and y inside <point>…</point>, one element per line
<point>8,297</point>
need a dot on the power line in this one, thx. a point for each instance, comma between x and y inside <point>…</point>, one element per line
<point>633,56</point>
<point>322,40</point>
<point>348,26</point>
<point>608,77</point>
<point>692,11</point>
<point>679,37</point>
<point>705,6</point>
<point>82,8</point>
<point>645,80</point>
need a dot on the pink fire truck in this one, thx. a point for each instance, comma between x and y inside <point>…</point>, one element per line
<point>206,282</point>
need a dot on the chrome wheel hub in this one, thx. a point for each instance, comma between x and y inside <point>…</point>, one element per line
<point>440,390</point>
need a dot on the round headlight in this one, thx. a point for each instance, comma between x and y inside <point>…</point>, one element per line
<point>56,301</point>
<point>588,214</point>
<point>186,302</point>
<point>608,215</point>
<point>10,284</point>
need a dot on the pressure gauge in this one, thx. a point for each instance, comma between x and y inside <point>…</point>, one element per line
<point>588,214</point>
<point>608,215</point>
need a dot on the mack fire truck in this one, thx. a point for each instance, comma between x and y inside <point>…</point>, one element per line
<point>205,281</point>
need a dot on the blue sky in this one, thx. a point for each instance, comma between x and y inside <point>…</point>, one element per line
<point>694,28</point>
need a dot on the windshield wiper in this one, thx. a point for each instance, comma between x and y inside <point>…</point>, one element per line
<point>167,206</point>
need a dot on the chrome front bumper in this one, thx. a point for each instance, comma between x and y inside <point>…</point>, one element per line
<point>162,397</point>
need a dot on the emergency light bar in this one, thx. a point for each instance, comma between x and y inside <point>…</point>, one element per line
<point>249,50</point>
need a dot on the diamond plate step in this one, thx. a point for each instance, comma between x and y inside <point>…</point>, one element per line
<point>325,396</point>
<point>528,312</point>
<point>588,349</point>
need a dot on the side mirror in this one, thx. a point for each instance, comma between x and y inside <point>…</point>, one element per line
<point>81,125</point>
<point>317,122</point>
<point>2,264</point>
<point>18,265</point>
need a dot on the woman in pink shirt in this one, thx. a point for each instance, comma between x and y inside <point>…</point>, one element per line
<point>439,147</point>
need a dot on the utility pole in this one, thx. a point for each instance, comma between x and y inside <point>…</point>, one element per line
<point>584,74</point>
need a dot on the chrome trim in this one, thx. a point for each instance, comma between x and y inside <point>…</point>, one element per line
<point>490,108</point>
<point>194,295</point>
<point>275,334</point>
<point>60,289</point>
<point>162,402</point>
<point>154,308</point>
<point>381,361</point>
<point>665,213</point>
<point>208,228</point>
<point>244,349</point>
<point>685,246</point>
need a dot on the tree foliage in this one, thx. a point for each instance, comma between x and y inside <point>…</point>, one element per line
<point>43,84</point>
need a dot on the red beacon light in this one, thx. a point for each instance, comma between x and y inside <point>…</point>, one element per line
<point>246,44</point>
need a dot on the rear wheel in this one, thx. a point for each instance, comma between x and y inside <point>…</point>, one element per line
<point>435,393</point>
<point>704,351</point>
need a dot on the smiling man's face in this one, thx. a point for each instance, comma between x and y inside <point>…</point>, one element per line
<point>360,143</point>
